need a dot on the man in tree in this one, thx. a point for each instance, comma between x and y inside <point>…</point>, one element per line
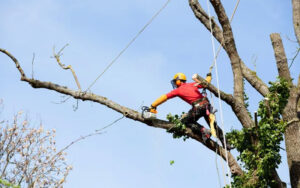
<point>189,92</point>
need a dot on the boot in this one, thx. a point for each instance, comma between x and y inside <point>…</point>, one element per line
<point>205,133</point>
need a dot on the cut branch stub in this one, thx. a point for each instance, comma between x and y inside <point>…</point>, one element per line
<point>280,56</point>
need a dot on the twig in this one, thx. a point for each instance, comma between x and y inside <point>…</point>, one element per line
<point>96,132</point>
<point>75,107</point>
<point>293,59</point>
<point>57,57</point>
<point>291,40</point>
<point>32,72</point>
<point>254,59</point>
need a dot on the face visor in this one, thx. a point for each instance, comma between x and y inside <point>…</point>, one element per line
<point>173,82</point>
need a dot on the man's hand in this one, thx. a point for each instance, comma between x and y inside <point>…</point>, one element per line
<point>153,110</point>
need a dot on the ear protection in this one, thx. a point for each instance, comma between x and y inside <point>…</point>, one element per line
<point>178,82</point>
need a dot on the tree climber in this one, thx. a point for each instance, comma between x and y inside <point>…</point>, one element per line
<point>189,92</point>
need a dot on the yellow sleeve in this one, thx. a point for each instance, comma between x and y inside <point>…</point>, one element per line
<point>159,101</point>
<point>208,78</point>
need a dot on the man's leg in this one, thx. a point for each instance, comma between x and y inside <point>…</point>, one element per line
<point>190,120</point>
<point>219,132</point>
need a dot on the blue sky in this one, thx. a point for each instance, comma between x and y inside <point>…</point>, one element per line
<point>130,154</point>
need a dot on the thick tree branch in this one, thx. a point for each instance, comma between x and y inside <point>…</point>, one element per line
<point>254,80</point>
<point>237,107</point>
<point>16,62</point>
<point>250,75</point>
<point>231,50</point>
<point>296,18</point>
<point>281,60</point>
<point>204,19</point>
<point>127,112</point>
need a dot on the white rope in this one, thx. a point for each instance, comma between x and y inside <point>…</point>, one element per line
<point>218,86</point>
<point>216,153</point>
<point>130,42</point>
<point>219,48</point>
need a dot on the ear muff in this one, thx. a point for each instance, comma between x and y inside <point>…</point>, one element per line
<point>178,82</point>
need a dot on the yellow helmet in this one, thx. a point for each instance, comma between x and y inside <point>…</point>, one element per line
<point>179,76</point>
<point>177,79</point>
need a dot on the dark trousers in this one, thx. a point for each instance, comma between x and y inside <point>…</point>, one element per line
<point>190,119</point>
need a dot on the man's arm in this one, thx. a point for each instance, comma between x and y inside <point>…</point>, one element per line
<point>200,85</point>
<point>159,101</point>
<point>162,99</point>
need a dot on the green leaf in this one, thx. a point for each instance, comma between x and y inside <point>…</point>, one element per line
<point>172,162</point>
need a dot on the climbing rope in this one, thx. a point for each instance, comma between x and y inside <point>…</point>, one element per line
<point>218,87</point>
<point>130,42</point>
<point>219,48</point>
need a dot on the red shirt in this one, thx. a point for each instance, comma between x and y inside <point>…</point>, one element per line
<point>187,92</point>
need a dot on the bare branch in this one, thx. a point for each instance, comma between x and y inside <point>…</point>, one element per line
<point>131,114</point>
<point>280,56</point>
<point>15,61</point>
<point>296,18</point>
<point>96,132</point>
<point>32,63</point>
<point>231,50</point>
<point>295,56</point>
<point>257,83</point>
<point>254,80</point>
<point>204,19</point>
<point>57,57</point>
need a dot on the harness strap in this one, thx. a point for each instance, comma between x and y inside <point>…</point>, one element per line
<point>200,101</point>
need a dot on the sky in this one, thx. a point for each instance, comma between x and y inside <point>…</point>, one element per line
<point>130,154</point>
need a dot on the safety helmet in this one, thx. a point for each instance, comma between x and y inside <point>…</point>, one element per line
<point>178,77</point>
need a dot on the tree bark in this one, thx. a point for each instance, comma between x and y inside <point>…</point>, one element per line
<point>292,137</point>
<point>296,18</point>
<point>231,50</point>
<point>202,16</point>
<point>292,133</point>
<point>254,80</point>
<point>280,56</point>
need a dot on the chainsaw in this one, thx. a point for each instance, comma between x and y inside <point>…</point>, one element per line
<point>147,114</point>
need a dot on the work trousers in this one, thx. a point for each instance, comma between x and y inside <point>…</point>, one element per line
<point>201,110</point>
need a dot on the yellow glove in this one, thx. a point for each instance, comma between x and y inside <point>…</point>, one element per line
<point>153,110</point>
<point>159,101</point>
<point>208,77</point>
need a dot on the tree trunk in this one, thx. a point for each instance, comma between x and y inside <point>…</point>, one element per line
<point>292,139</point>
<point>292,133</point>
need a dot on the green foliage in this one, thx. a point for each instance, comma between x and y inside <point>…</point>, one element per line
<point>178,129</point>
<point>259,146</point>
<point>172,162</point>
<point>6,184</point>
